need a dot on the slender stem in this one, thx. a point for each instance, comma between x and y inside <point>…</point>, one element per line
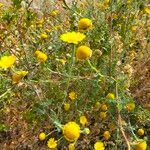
<point>51,133</point>
<point>120,121</point>
<point>92,67</point>
<point>65,3</point>
<point>70,75</point>
<point>5,93</point>
<point>133,132</point>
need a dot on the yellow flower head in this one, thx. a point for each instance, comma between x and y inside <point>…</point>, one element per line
<point>140,132</point>
<point>72,37</point>
<point>106,135</point>
<point>40,25</point>
<point>44,36</point>
<point>17,76</point>
<point>130,106</point>
<point>72,95</point>
<point>83,120</point>
<point>7,61</point>
<point>110,96</point>
<point>134,28</point>
<point>83,52</point>
<point>63,61</point>
<point>71,131</point>
<point>97,105</point>
<point>1,5</point>
<point>104,107</point>
<point>71,146</point>
<point>42,57</point>
<point>42,136</point>
<point>40,21</point>
<point>54,13</point>
<point>147,9</point>
<point>47,30</point>
<point>84,24</point>
<point>99,146</point>
<point>66,106</point>
<point>103,115</point>
<point>142,145</point>
<point>52,143</point>
<point>87,130</point>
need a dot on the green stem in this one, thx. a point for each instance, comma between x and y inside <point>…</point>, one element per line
<point>93,68</point>
<point>70,75</point>
<point>51,133</point>
<point>66,5</point>
<point>133,132</point>
<point>5,93</point>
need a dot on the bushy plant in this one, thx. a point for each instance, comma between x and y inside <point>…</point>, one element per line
<point>66,71</point>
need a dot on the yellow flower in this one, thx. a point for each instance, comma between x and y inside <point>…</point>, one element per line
<point>99,146</point>
<point>71,131</point>
<point>42,57</point>
<point>66,106</point>
<point>18,76</point>
<point>142,145</point>
<point>72,37</point>
<point>32,26</point>
<point>130,106</point>
<point>71,146</point>
<point>52,143</point>
<point>106,1</point>
<point>40,21</point>
<point>7,61</point>
<point>147,10</point>
<point>47,30</point>
<point>72,95</point>
<point>54,13</point>
<point>1,5</point>
<point>63,61</point>
<point>110,96</point>
<point>103,115</point>
<point>97,105</point>
<point>42,136</point>
<point>104,107</point>
<point>44,36</point>
<point>84,24</point>
<point>83,52</point>
<point>140,132</point>
<point>129,1</point>
<point>83,120</point>
<point>134,28</point>
<point>87,130</point>
<point>40,25</point>
<point>106,135</point>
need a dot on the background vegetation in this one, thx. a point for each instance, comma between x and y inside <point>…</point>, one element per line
<point>110,88</point>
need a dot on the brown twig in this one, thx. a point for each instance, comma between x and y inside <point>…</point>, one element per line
<point>120,122</point>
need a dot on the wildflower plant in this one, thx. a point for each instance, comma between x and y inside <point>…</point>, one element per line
<point>66,70</point>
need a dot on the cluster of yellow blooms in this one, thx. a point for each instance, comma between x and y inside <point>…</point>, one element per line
<point>71,132</point>
<point>83,52</point>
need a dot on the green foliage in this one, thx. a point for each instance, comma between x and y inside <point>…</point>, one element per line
<point>118,31</point>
